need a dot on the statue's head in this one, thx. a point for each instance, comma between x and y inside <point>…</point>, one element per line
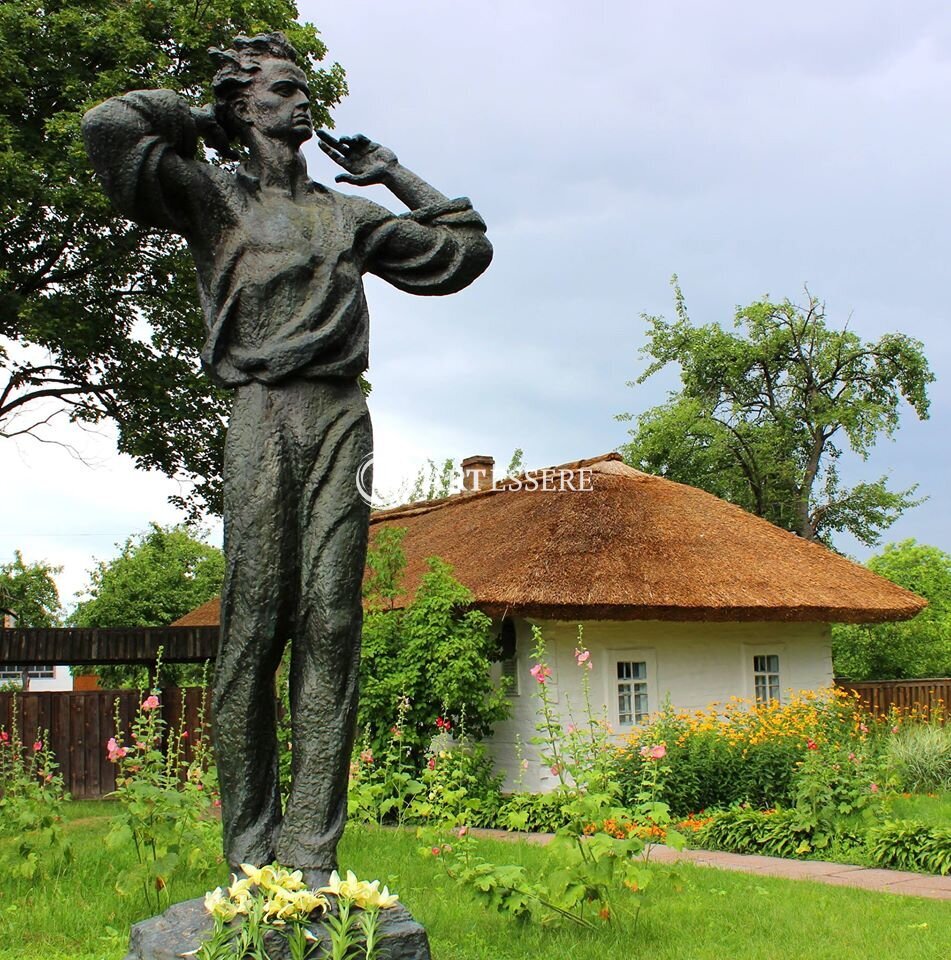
<point>259,85</point>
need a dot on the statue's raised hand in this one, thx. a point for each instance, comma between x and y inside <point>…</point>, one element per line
<point>366,162</point>
<point>211,131</point>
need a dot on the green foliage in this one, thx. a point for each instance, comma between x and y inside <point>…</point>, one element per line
<point>435,653</point>
<point>751,753</point>
<point>765,411</point>
<point>29,592</point>
<point>107,310</point>
<point>165,799</point>
<point>434,481</point>
<point>772,833</point>
<point>157,577</point>
<point>909,845</point>
<point>533,812</point>
<point>384,785</point>
<point>459,783</point>
<point>32,795</point>
<point>918,757</point>
<point>586,864</point>
<point>920,647</point>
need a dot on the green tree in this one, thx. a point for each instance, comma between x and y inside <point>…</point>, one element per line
<point>99,317</point>
<point>436,651</point>
<point>765,411</point>
<point>920,647</point>
<point>28,591</point>
<point>157,577</point>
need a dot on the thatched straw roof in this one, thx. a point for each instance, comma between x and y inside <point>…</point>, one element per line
<point>633,547</point>
<point>636,547</point>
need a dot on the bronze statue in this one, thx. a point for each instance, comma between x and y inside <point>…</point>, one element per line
<point>280,261</point>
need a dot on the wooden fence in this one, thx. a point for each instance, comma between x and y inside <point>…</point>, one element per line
<point>921,696</point>
<point>78,724</point>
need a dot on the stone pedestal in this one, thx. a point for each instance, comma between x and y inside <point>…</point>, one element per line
<point>185,925</point>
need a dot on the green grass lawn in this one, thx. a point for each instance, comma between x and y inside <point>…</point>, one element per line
<point>696,914</point>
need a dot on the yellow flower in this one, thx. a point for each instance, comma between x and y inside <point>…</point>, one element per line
<point>363,893</point>
<point>218,905</point>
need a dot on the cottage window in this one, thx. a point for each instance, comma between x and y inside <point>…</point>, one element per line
<point>631,692</point>
<point>766,677</point>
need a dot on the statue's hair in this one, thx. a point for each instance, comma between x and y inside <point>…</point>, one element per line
<point>237,66</point>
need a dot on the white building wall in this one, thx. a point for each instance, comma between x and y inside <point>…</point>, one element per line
<point>695,664</point>
<point>62,679</point>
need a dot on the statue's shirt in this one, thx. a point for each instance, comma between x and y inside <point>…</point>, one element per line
<point>280,278</point>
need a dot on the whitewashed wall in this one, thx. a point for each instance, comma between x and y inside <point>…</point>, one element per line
<point>696,664</point>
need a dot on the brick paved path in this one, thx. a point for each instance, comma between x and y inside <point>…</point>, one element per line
<point>841,874</point>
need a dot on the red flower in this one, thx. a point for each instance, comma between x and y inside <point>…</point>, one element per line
<point>811,744</point>
<point>38,746</point>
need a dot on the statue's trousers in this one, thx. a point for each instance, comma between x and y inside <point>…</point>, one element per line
<point>295,547</point>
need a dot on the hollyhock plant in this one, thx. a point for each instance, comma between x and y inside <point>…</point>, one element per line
<point>540,672</point>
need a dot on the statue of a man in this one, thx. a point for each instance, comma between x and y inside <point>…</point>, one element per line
<point>280,261</point>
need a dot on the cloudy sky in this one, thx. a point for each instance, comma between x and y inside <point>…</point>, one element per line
<point>750,148</point>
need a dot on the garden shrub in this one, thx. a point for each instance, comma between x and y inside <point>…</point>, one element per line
<point>742,752</point>
<point>164,799</point>
<point>534,812</point>
<point>775,833</point>
<point>910,845</point>
<point>32,794</point>
<point>919,757</point>
<point>459,781</point>
<point>435,652</point>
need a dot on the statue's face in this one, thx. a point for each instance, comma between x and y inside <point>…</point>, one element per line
<point>277,102</point>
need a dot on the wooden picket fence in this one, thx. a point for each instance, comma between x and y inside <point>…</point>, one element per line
<point>78,724</point>
<point>930,697</point>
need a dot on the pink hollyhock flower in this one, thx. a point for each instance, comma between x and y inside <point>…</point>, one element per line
<point>555,769</point>
<point>184,734</point>
<point>583,658</point>
<point>863,728</point>
<point>150,702</point>
<point>4,736</point>
<point>431,763</point>
<point>571,728</point>
<point>811,744</point>
<point>114,751</point>
<point>873,787</point>
<point>216,802</point>
<point>38,746</point>
<point>366,756</point>
<point>540,672</point>
<point>851,756</point>
<point>894,729</point>
<point>657,752</point>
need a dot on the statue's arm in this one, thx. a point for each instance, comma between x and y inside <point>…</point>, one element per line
<point>438,247</point>
<point>143,145</point>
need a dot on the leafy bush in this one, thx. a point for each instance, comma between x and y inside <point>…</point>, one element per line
<point>743,752</point>
<point>534,812</point>
<point>164,798</point>
<point>775,833</point>
<point>919,757</point>
<point>910,845</point>
<point>459,780</point>
<point>31,798</point>
<point>435,653</point>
